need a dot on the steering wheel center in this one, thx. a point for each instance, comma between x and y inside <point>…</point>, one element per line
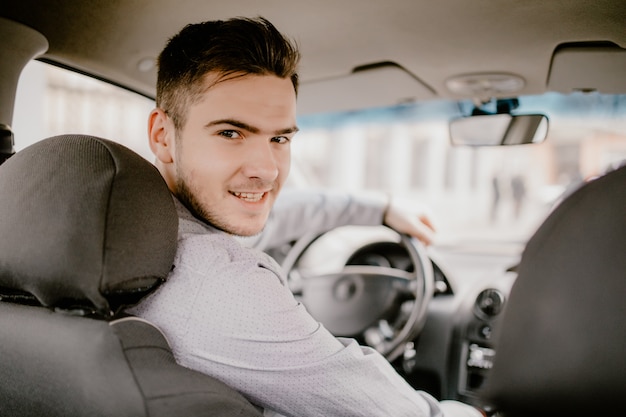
<point>347,288</point>
<point>382,305</point>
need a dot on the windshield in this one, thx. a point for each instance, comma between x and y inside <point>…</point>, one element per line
<point>472,193</point>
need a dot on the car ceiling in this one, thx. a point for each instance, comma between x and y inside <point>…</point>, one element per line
<point>421,43</point>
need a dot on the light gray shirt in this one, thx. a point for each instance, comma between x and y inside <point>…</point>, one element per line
<point>227,312</point>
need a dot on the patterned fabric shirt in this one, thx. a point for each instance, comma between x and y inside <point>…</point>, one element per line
<point>227,312</point>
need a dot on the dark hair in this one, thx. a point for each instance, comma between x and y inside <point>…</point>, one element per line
<point>229,47</point>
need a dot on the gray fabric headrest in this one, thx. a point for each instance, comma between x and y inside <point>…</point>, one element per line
<point>83,221</point>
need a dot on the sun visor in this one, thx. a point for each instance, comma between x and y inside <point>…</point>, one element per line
<point>377,85</point>
<point>588,67</point>
<point>26,43</point>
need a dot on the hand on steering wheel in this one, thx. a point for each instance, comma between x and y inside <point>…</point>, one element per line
<point>384,306</point>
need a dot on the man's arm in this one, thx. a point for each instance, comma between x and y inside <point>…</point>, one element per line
<point>300,212</point>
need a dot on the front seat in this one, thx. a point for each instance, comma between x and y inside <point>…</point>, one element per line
<point>561,348</point>
<point>88,227</point>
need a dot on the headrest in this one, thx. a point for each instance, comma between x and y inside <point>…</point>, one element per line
<point>84,223</point>
<point>562,338</point>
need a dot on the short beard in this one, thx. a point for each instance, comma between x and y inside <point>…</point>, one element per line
<point>186,196</point>
<point>188,199</point>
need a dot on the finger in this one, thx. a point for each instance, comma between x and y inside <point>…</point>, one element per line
<point>426,221</point>
<point>423,233</point>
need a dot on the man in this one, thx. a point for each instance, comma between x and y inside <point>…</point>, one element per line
<point>225,116</point>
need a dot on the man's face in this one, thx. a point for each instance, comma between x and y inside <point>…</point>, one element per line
<point>233,154</point>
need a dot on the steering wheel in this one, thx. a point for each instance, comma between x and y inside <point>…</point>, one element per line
<point>384,306</point>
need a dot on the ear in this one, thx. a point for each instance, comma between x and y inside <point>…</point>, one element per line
<point>161,135</point>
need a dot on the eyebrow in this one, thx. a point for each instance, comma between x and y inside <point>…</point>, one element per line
<point>253,129</point>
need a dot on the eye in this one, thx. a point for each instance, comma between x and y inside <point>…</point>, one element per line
<point>281,140</point>
<point>230,134</point>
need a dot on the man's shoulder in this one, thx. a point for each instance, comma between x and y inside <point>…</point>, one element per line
<point>203,247</point>
<point>197,240</point>
<point>190,226</point>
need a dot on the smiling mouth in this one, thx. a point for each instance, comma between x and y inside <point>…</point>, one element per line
<point>249,197</point>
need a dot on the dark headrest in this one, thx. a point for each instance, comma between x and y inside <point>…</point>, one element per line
<point>562,343</point>
<point>83,222</point>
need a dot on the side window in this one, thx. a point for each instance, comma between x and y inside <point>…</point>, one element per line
<point>52,101</point>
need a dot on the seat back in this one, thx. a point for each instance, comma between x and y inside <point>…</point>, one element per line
<point>88,227</point>
<point>561,347</point>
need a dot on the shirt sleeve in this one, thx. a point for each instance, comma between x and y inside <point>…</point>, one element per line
<point>323,210</point>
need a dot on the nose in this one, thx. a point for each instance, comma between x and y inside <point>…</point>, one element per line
<point>260,160</point>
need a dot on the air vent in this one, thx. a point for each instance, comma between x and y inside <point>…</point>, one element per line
<point>489,303</point>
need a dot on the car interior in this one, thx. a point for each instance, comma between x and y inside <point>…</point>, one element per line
<point>526,318</point>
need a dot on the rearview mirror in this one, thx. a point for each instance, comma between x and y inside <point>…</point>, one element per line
<point>498,130</point>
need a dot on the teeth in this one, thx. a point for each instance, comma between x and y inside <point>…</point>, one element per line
<point>252,197</point>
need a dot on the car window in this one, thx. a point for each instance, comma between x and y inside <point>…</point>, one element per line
<point>484,194</point>
<point>52,101</point>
